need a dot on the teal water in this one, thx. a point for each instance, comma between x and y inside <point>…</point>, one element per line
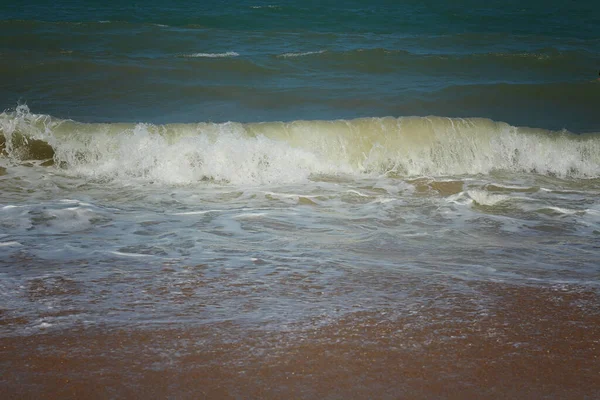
<point>525,63</point>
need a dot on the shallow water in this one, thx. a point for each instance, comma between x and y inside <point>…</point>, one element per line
<point>122,228</point>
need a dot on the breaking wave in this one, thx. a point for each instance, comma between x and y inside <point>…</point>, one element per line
<point>279,152</point>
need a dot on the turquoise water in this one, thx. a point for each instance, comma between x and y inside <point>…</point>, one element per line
<point>524,63</point>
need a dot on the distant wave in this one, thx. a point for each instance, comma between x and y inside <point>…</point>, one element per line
<point>491,58</point>
<point>271,6</point>
<point>306,53</point>
<point>212,55</point>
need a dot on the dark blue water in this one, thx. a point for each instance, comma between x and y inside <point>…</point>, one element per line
<point>525,63</point>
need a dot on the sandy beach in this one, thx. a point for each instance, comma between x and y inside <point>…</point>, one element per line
<point>534,343</point>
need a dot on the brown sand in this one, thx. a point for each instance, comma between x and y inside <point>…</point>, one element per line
<point>533,343</point>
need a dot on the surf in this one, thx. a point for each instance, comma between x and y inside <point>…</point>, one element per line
<point>294,151</point>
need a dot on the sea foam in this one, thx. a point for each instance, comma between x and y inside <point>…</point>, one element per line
<point>301,54</point>
<point>278,152</point>
<point>212,55</point>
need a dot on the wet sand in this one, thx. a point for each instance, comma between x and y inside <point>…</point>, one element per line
<point>531,342</point>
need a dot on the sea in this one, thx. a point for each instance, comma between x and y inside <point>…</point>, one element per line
<point>300,199</point>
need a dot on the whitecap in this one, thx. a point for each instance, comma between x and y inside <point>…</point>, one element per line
<point>118,253</point>
<point>10,244</point>
<point>306,53</point>
<point>212,55</point>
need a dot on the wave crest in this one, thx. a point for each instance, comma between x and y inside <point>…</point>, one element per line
<point>279,152</point>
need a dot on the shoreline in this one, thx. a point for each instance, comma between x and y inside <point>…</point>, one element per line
<point>532,343</point>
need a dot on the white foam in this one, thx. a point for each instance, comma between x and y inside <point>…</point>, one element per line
<point>228,156</point>
<point>10,207</point>
<point>356,192</point>
<point>272,6</point>
<point>512,187</point>
<point>459,198</point>
<point>302,54</point>
<point>197,212</point>
<point>250,215</point>
<point>384,200</point>
<point>10,244</point>
<point>562,210</point>
<point>485,198</point>
<point>136,255</point>
<point>212,55</point>
<point>70,219</point>
<point>290,195</point>
<point>478,196</point>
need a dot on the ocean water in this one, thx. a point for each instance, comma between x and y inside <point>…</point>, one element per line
<point>283,166</point>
